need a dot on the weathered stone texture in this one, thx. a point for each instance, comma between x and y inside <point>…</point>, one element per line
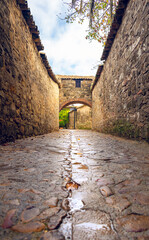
<point>72,116</point>
<point>69,93</point>
<point>28,96</point>
<point>120,98</point>
<point>83,118</point>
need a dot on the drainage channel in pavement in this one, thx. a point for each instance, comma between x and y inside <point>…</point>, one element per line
<point>76,173</point>
<point>105,183</point>
<point>82,221</point>
<point>71,205</point>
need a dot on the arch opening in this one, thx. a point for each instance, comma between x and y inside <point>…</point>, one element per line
<point>73,101</point>
<point>77,114</point>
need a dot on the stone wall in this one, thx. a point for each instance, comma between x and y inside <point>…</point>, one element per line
<point>69,93</point>
<point>71,123</point>
<point>29,98</point>
<point>83,118</point>
<point>120,98</point>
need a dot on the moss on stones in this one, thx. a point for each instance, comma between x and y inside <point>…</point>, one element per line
<point>124,128</point>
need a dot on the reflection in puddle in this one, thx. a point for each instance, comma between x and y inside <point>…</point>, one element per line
<point>93,226</point>
<point>75,204</point>
<point>81,180</point>
<point>66,228</point>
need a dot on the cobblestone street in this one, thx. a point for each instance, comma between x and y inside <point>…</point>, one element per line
<point>74,184</point>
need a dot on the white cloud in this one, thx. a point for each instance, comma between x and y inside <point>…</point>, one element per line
<point>65,45</point>
<point>44,13</point>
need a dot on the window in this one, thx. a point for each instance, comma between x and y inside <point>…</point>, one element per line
<point>78,83</point>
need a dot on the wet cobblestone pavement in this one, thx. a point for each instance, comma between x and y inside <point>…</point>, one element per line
<point>74,185</point>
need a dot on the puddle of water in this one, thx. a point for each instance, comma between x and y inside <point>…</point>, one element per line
<point>81,180</point>
<point>75,204</point>
<point>93,226</point>
<point>66,228</point>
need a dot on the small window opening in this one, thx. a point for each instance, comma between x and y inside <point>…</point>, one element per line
<point>78,83</point>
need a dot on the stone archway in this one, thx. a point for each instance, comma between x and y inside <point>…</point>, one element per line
<point>72,101</point>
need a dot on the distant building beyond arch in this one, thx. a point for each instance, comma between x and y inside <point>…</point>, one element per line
<point>75,89</point>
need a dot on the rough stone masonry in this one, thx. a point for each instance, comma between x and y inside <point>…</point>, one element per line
<point>120,96</point>
<point>75,89</point>
<point>29,98</point>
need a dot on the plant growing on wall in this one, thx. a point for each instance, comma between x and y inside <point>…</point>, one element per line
<point>98,12</point>
<point>63,117</point>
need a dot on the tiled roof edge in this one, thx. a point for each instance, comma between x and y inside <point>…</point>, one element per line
<point>35,35</point>
<point>117,20</point>
<point>49,69</point>
<point>99,70</point>
<point>65,77</point>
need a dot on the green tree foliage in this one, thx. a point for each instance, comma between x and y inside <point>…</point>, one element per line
<point>63,117</point>
<point>98,12</point>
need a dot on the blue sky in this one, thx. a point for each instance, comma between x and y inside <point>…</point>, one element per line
<point>68,52</point>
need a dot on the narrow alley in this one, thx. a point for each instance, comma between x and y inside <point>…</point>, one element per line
<point>74,184</point>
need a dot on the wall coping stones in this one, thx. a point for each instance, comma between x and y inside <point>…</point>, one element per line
<point>49,69</point>
<point>30,22</point>
<point>65,77</point>
<point>117,20</point>
<point>35,36</point>
<point>99,70</point>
